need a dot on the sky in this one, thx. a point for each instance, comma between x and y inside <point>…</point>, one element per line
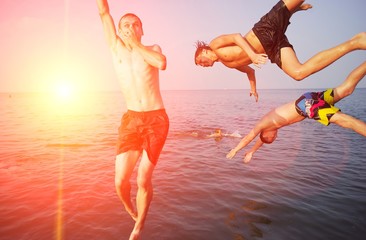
<point>46,44</point>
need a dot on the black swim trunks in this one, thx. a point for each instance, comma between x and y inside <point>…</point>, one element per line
<point>143,130</point>
<point>270,31</point>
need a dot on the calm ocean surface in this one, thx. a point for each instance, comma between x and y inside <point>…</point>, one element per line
<point>57,171</point>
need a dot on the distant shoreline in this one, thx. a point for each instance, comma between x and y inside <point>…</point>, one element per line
<point>168,90</point>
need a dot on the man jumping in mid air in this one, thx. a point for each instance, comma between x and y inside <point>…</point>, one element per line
<point>316,105</point>
<point>267,39</point>
<point>144,127</point>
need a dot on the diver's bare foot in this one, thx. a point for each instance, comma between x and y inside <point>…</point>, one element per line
<point>135,234</point>
<point>305,6</point>
<point>360,40</point>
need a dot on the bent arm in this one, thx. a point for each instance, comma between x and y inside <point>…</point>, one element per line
<point>232,39</point>
<point>152,55</point>
<point>108,23</point>
<point>237,39</point>
<point>252,80</point>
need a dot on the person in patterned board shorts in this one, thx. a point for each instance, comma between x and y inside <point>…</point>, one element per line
<point>314,105</point>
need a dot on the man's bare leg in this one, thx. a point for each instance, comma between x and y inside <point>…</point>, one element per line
<point>125,164</point>
<point>347,121</point>
<point>344,90</point>
<point>298,71</point>
<point>349,85</point>
<point>295,5</point>
<point>144,194</point>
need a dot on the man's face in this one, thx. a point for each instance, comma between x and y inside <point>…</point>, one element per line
<point>203,60</point>
<point>131,25</point>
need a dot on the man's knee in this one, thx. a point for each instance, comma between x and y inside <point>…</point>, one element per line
<point>343,91</point>
<point>122,183</point>
<point>143,182</point>
<point>297,74</point>
<point>298,77</point>
<point>291,65</point>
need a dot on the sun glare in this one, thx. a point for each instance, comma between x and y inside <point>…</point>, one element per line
<point>67,91</point>
<point>64,91</point>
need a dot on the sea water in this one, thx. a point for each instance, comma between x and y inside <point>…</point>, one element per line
<point>57,171</point>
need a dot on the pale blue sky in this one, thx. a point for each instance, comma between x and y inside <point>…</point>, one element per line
<point>41,39</point>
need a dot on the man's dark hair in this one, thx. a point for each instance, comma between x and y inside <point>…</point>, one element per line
<point>200,45</point>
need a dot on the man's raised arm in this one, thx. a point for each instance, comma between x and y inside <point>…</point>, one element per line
<point>108,23</point>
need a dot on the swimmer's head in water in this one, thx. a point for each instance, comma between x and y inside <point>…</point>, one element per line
<point>218,131</point>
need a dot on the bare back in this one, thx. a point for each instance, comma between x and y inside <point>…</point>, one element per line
<point>138,80</point>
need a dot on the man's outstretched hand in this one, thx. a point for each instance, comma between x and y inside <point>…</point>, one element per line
<point>231,154</point>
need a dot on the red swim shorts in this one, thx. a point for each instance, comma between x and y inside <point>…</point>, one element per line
<point>143,131</point>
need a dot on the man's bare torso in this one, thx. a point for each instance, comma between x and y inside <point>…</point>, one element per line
<point>234,56</point>
<point>138,80</point>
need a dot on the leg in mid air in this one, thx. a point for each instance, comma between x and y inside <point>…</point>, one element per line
<point>144,194</point>
<point>349,85</point>
<point>298,71</point>
<point>125,164</point>
<point>344,90</point>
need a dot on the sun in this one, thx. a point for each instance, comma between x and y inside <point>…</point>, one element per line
<point>64,90</point>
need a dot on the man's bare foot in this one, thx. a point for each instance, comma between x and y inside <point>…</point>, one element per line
<point>305,6</point>
<point>135,234</point>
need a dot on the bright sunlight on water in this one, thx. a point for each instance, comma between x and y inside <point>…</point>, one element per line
<point>57,171</point>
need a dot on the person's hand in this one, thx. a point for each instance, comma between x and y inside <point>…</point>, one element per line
<point>248,156</point>
<point>231,154</point>
<point>259,59</point>
<point>255,94</point>
<point>126,38</point>
<point>132,37</point>
<point>129,38</point>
